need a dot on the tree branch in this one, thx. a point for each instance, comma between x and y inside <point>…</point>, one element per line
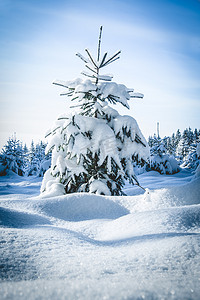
<point>99,46</point>
<point>91,58</point>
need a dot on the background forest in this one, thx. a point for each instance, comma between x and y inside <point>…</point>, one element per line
<point>168,155</point>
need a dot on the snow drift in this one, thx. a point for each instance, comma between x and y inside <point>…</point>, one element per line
<point>83,246</point>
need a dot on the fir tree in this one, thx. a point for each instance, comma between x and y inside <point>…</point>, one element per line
<point>12,157</point>
<point>150,141</point>
<point>93,150</point>
<point>44,161</point>
<point>38,162</point>
<point>177,137</point>
<point>191,160</point>
<point>25,159</point>
<point>190,136</point>
<point>32,152</point>
<point>160,161</point>
<point>183,147</point>
<point>189,149</point>
<point>196,136</point>
<point>173,144</point>
<point>33,161</point>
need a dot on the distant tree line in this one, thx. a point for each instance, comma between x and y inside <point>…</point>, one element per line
<point>175,151</point>
<point>167,155</point>
<point>22,160</point>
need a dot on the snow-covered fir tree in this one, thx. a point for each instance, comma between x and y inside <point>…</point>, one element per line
<point>188,148</point>
<point>25,149</point>
<point>191,160</point>
<point>172,150</point>
<point>93,149</point>
<point>196,136</point>
<point>180,146</point>
<point>38,162</point>
<point>160,160</point>
<point>169,143</point>
<point>177,137</point>
<point>183,147</point>
<point>32,167</point>
<point>187,145</point>
<point>151,141</point>
<point>44,160</point>
<point>12,157</point>
<point>197,172</point>
<point>23,161</point>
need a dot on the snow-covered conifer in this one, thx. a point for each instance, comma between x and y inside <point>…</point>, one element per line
<point>177,137</point>
<point>159,160</point>
<point>38,162</point>
<point>33,161</point>
<point>26,159</point>
<point>183,147</point>
<point>44,160</point>
<point>12,158</point>
<point>150,141</point>
<point>191,159</point>
<point>196,136</point>
<point>93,149</point>
<point>173,145</point>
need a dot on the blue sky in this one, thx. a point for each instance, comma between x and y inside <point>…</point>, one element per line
<point>160,43</point>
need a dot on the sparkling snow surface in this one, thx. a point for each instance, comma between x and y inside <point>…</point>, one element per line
<point>84,246</point>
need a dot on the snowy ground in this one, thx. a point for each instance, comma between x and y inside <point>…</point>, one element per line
<point>80,246</point>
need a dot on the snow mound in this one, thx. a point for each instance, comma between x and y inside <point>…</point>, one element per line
<point>172,196</point>
<point>15,219</point>
<point>188,193</point>
<point>81,206</point>
<point>160,224</point>
<point>159,213</point>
